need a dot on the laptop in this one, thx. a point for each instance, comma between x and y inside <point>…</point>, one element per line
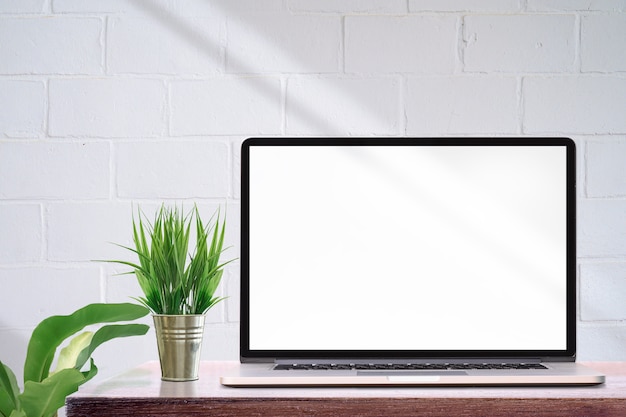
<point>408,262</point>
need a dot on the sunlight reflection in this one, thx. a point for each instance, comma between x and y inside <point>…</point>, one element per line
<point>270,44</point>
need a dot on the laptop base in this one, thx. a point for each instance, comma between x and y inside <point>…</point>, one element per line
<point>555,374</point>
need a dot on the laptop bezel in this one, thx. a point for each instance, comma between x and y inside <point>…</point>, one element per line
<point>248,355</point>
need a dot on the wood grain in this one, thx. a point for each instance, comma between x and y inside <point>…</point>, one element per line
<point>141,393</point>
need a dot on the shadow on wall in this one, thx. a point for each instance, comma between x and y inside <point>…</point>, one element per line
<point>341,92</point>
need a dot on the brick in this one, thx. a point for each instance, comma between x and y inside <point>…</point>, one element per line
<point>602,43</point>
<point>235,7</point>
<point>464,5</point>
<point>602,289</point>
<point>576,5</point>
<point>13,354</point>
<point>54,170</point>
<point>461,105</point>
<point>343,106</point>
<point>282,42</point>
<point>22,108</point>
<point>51,45</point>
<point>45,288</point>
<point>605,165</point>
<point>82,232</point>
<point>232,287</point>
<point>107,107</point>
<point>109,225</point>
<point>153,8</point>
<point>21,237</point>
<point>147,45</point>
<point>601,229</point>
<point>190,169</point>
<point>224,342</point>
<point>601,342</point>
<point>119,285</point>
<point>22,6</point>
<point>97,6</point>
<point>246,105</point>
<point>428,46</point>
<point>348,6</point>
<point>528,43</point>
<point>574,104</point>
<point>237,169</point>
<point>127,7</point>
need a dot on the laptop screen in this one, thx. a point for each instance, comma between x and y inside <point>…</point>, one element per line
<point>383,247</point>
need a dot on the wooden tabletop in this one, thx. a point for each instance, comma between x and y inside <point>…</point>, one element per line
<point>140,392</point>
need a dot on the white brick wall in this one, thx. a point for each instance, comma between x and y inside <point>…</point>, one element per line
<point>77,232</point>
<point>23,223</point>
<point>106,105</point>
<point>602,43</point>
<point>226,106</point>
<point>271,42</point>
<point>54,170</point>
<point>458,105</point>
<point>38,283</point>
<point>602,290</point>
<point>22,6</point>
<point>577,5</point>
<point>601,231</point>
<point>56,45</point>
<point>574,104</point>
<point>428,44</point>
<point>528,43</point>
<point>146,46</point>
<point>144,170</point>
<point>347,106</point>
<point>22,108</point>
<point>464,5</point>
<point>348,6</point>
<point>605,169</point>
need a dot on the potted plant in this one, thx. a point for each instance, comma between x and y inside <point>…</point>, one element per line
<point>45,390</point>
<point>178,285</point>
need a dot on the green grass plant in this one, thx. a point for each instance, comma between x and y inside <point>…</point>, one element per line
<point>174,280</point>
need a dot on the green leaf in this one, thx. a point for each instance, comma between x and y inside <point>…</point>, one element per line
<point>106,333</point>
<point>18,413</point>
<point>9,391</point>
<point>174,279</point>
<point>93,370</point>
<point>51,332</point>
<point>41,399</point>
<point>69,354</point>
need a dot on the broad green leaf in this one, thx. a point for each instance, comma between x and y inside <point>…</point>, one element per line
<point>9,391</point>
<point>51,332</point>
<point>18,413</point>
<point>69,354</point>
<point>41,399</point>
<point>105,334</point>
<point>93,370</point>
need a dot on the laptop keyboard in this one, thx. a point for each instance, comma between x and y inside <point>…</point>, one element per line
<point>409,366</point>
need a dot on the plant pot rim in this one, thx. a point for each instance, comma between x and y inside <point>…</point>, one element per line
<point>177,315</point>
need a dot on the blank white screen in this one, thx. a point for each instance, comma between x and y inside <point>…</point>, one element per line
<point>412,248</point>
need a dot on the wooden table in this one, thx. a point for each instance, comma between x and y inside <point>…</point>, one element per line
<point>140,392</point>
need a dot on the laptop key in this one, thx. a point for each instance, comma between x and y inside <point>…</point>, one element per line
<point>409,366</point>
